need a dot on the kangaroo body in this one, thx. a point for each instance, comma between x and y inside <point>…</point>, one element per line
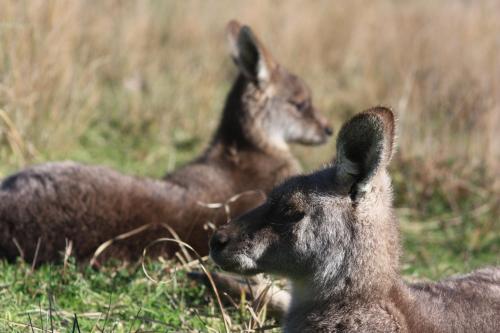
<point>89,205</point>
<point>44,207</point>
<point>334,235</point>
<point>469,303</point>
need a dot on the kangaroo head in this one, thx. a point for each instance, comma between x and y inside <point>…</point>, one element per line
<point>331,229</point>
<point>275,106</point>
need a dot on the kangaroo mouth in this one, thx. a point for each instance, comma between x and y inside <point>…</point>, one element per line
<point>236,263</point>
<point>319,140</point>
<point>223,261</point>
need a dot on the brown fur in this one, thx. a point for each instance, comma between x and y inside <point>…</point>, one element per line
<point>266,109</point>
<point>334,235</point>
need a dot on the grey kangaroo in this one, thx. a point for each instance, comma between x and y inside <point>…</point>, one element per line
<point>267,109</point>
<point>334,235</point>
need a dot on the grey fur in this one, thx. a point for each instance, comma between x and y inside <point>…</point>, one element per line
<point>334,235</point>
<point>89,205</point>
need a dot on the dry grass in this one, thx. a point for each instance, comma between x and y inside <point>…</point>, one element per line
<point>65,65</point>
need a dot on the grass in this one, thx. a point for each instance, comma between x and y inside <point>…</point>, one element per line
<point>120,300</point>
<point>123,299</point>
<point>440,239</point>
<point>158,72</point>
<point>141,91</point>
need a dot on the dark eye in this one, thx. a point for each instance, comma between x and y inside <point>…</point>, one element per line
<point>293,216</point>
<point>284,213</point>
<point>302,105</point>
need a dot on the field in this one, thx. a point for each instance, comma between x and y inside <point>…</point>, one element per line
<point>138,86</point>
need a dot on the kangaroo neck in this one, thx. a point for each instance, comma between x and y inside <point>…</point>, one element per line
<point>237,138</point>
<point>240,127</point>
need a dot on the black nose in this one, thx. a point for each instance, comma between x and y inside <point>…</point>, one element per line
<point>219,240</point>
<point>328,130</point>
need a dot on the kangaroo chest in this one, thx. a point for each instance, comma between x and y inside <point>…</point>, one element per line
<point>374,318</point>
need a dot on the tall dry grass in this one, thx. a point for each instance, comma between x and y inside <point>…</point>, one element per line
<point>66,66</point>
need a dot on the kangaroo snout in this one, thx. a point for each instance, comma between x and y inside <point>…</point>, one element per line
<point>324,132</point>
<point>222,249</point>
<point>219,239</point>
<point>328,130</point>
<point>323,122</point>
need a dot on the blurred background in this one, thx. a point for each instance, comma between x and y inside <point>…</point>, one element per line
<point>139,86</point>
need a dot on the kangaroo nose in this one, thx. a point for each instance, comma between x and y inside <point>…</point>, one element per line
<point>219,240</point>
<point>328,130</point>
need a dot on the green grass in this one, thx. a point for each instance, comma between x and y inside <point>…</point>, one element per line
<point>112,299</point>
<point>434,250</point>
<point>123,299</point>
<point>443,234</point>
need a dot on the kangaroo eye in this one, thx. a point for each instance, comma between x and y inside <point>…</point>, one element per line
<point>295,216</point>
<point>285,214</point>
<point>302,105</point>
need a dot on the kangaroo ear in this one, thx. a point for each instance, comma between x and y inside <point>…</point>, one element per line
<point>251,57</point>
<point>364,147</point>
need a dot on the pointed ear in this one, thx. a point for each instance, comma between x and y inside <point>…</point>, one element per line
<point>249,54</point>
<point>364,147</point>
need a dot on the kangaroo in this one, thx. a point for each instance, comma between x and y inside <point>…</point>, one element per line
<point>267,109</point>
<point>334,235</point>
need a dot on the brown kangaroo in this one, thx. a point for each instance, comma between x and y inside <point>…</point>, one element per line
<point>266,109</point>
<point>334,235</point>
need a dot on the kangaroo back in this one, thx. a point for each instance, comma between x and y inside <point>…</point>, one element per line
<point>46,207</point>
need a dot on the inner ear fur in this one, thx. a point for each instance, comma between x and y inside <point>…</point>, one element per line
<point>364,146</point>
<point>249,54</point>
